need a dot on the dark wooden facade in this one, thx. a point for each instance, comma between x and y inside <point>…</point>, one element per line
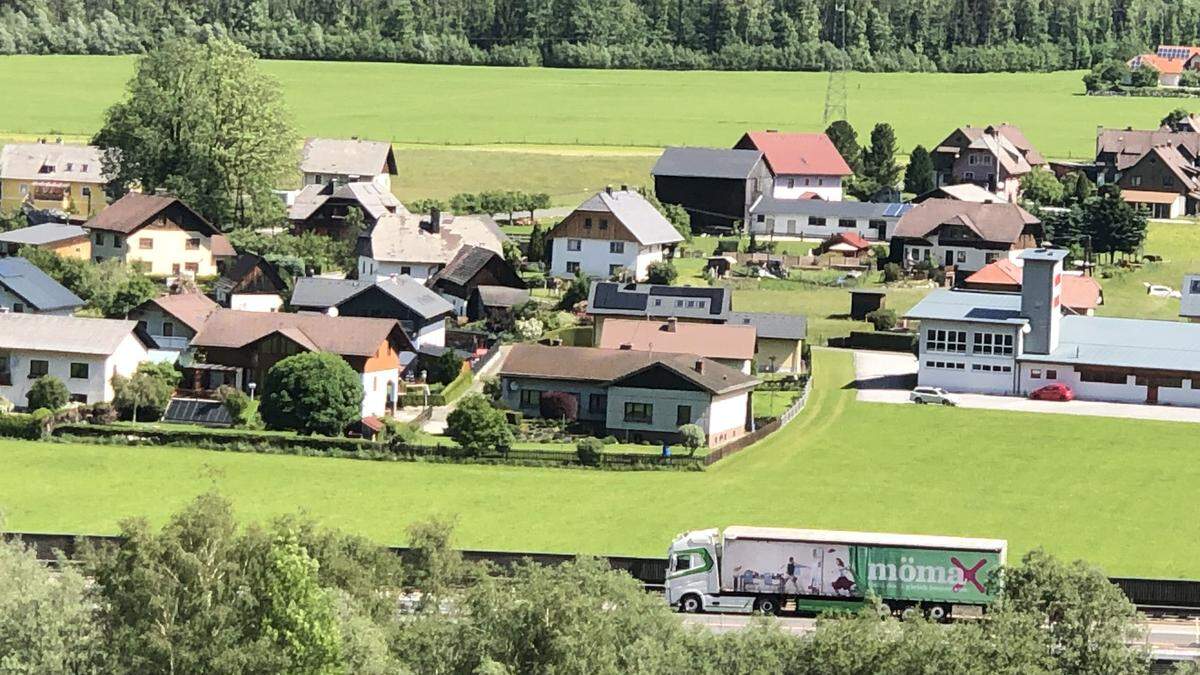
<point>377,303</point>
<point>713,202</point>
<point>329,219</point>
<point>591,225</point>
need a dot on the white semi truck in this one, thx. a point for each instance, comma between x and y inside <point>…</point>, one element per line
<point>745,569</point>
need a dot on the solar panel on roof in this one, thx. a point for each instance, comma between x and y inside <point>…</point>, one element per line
<point>893,209</point>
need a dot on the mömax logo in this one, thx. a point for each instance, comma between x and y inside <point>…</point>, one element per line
<point>968,574</point>
<point>956,576</point>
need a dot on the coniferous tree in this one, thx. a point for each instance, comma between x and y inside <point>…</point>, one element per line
<point>918,175</point>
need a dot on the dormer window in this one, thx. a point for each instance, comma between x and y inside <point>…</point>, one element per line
<point>46,168</point>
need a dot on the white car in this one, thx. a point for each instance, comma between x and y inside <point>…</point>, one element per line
<point>931,395</point>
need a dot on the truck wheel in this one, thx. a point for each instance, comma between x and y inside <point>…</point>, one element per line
<point>691,604</point>
<point>909,613</point>
<point>768,605</point>
<point>937,613</point>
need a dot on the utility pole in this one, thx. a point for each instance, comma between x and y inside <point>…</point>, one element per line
<point>835,90</point>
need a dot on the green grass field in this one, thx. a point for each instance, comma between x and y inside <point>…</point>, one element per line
<point>455,105</point>
<point>1116,492</point>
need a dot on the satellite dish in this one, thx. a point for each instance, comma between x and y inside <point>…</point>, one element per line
<point>332,311</point>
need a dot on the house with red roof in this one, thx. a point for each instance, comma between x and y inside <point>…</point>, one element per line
<point>1170,61</point>
<point>804,166</point>
<point>1080,294</point>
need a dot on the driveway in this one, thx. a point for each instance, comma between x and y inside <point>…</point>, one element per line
<point>887,377</point>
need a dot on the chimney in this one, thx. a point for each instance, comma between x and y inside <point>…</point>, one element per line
<point>699,366</point>
<point>608,189</point>
<point>435,220</point>
<point>672,324</point>
<point>624,187</point>
<point>1041,298</point>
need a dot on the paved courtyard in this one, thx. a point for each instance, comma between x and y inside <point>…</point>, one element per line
<point>887,377</point>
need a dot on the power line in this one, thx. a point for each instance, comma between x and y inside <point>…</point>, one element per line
<point>835,90</point>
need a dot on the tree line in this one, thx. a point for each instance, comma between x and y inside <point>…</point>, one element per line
<point>205,594</point>
<point>878,35</point>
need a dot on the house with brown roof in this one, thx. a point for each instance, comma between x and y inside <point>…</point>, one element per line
<point>160,235</point>
<point>727,344</point>
<point>173,320</point>
<point>1119,149</point>
<point>243,346</point>
<point>58,176</point>
<point>353,160</point>
<point>251,283</point>
<point>963,235</point>
<point>614,231</point>
<point>323,209</point>
<point>420,245</point>
<point>473,268</point>
<point>1163,182</point>
<point>631,394</point>
<point>994,158</point>
<point>1080,294</point>
<point>803,165</point>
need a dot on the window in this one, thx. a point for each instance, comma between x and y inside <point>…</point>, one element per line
<point>1195,286</point>
<point>1105,376</point>
<point>808,181</point>
<point>168,329</point>
<point>989,368</point>
<point>970,175</point>
<point>683,415</point>
<point>847,222</point>
<point>587,223</point>
<point>574,244</point>
<point>77,398</point>
<point>191,268</point>
<point>946,340</point>
<point>760,218</point>
<point>991,257</point>
<point>616,247</point>
<point>878,225</point>
<point>1035,374</point>
<point>658,302</point>
<point>405,269</point>
<point>1051,374</point>
<point>38,368</point>
<point>998,344</point>
<point>816,222</point>
<point>572,267</point>
<point>961,257</point>
<point>18,308</point>
<point>145,243</point>
<point>972,159</point>
<point>175,268</point>
<point>193,244</point>
<point>640,413</point>
<point>597,403</point>
<point>99,238</point>
<point>614,270</point>
<point>530,398</point>
<point>791,182</point>
<point>1135,180</point>
<point>79,371</point>
<point>682,561</point>
<point>946,365</point>
<point>86,191</point>
<point>604,223</point>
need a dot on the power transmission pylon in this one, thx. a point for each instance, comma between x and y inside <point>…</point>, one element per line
<point>835,90</point>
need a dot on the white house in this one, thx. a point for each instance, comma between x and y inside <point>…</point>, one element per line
<point>804,166</point>
<point>83,353</point>
<point>612,232</point>
<point>420,245</point>
<point>1008,343</point>
<point>340,160</point>
<point>819,219</point>
<point>963,235</point>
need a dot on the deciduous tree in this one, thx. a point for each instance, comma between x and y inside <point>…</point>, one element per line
<point>313,393</point>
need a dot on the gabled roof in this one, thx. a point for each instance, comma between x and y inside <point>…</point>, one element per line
<point>707,302</point>
<point>1129,145</point>
<point>322,293</point>
<point>1174,161</point>
<point>46,233</point>
<point>347,157</point>
<point>853,239</point>
<point>773,325</point>
<point>374,201</point>
<point>61,162</point>
<point>592,364</point>
<point>241,268</point>
<point>636,213</point>
<point>65,334</point>
<point>466,264</point>
<point>221,248</point>
<point>711,340</point>
<point>963,192</point>
<point>1001,223</point>
<point>1009,134</point>
<point>192,309</point>
<point>25,280</point>
<point>1166,66</point>
<point>707,163</point>
<point>406,237</point>
<point>133,211</point>
<point>1011,159</point>
<point>797,154</point>
<point>949,305</point>
<point>1078,291</point>
<point>343,335</point>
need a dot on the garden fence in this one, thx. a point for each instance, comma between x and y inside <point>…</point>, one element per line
<point>734,447</point>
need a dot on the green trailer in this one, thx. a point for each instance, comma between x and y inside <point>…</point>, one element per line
<point>743,569</point>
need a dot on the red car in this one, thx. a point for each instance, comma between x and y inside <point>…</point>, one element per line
<point>1053,392</point>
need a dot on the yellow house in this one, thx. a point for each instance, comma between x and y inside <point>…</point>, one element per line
<point>58,176</point>
<point>779,345</point>
<point>160,235</point>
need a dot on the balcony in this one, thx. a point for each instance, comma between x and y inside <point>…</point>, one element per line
<point>170,342</point>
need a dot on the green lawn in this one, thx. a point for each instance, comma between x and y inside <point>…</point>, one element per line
<point>456,105</point>
<point>1117,492</point>
<point>1125,293</point>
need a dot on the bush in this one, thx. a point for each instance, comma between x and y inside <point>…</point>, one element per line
<point>313,394</point>
<point>892,272</point>
<point>48,392</point>
<point>661,273</point>
<point>609,440</point>
<point>691,436</point>
<point>478,426</point>
<point>590,451</point>
<point>442,369</point>
<point>882,319</point>
<point>577,292</point>
<point>397,433</point>
<point>241,407</point>
<point>559,405</point>
<point>145,396</point>
<point>492,388</point>
<point>19,425</point>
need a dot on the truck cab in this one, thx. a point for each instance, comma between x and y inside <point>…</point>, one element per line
<point>694,575</point>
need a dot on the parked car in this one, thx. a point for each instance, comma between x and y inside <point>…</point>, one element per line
<point>1053,392</point>
<point>931,395</point>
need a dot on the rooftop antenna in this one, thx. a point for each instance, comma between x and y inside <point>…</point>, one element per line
<point>835,91</point>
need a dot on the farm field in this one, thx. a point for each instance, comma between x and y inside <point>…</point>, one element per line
<point>1084,487</point>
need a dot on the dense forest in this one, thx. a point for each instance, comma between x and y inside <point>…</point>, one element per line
<point>879,35</point>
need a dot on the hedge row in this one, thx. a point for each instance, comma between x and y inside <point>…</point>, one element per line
<point>20,425</point>
<point>416,399</point>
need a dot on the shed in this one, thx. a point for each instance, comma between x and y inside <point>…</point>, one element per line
<point>863,301</point>
<point>720,265</point>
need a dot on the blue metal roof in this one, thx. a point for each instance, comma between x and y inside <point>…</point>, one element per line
<point>945,305</point>
<point>1126,343</point>
<point>35,287</point>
